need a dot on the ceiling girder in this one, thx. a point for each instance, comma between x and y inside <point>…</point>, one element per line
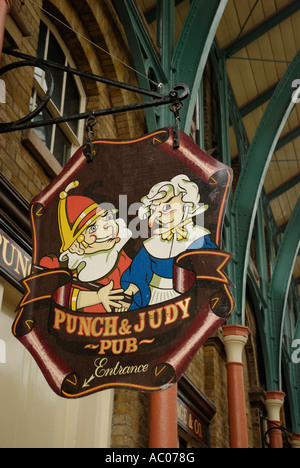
<point>151,13</point>
<point>284,188</point>
<point>269,24</point>
<point>286,139</point>
<point>257,102</point>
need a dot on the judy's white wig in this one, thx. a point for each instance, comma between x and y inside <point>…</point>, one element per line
<point>180,184</point>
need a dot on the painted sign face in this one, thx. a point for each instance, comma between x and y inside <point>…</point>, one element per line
<point>127,274</point>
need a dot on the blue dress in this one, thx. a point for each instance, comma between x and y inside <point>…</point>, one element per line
<point>144,266</point>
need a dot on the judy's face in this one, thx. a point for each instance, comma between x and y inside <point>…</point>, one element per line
<point>167,213</point>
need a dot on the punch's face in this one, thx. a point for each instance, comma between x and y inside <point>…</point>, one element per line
<point>167,213</point>
<point>102,234</point>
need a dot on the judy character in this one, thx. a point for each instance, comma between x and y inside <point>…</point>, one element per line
<point>171,207</point>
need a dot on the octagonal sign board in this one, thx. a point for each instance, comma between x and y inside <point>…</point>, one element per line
<point>128,274</point>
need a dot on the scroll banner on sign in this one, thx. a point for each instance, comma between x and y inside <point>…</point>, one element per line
<point>128,275</point>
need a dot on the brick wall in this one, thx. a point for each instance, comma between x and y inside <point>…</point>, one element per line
<point>16,164</point>
<point>130,419</point>
<point>20,166</point>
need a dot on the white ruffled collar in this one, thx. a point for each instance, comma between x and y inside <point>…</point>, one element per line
<point>162,249</point>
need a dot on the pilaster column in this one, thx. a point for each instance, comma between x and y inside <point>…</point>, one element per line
<point>235,338</point>
<point>163,432</point>
<point>295,443</point>
<point>274,403</point>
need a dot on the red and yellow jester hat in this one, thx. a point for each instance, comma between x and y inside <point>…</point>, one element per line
<point>75,214</point>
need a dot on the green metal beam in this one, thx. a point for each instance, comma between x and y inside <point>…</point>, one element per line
<point>151,13</point>
<point>278,294</point>
<point>189,58</point>
<point>252,177</point>
<point>143,52</point>
<point>166,43</point>
<point>193,48</point>
<point>219,70</point>
<point>284,188</point>
<point>263,29</point>
<point>260,243</point>
<point>257,102</point>
<point>286,139</point>
<point>297,329</point>
<point>190,55</point>
<point>224,118</point>
<point>166,32</point>
<point>141,45</point>
<point>241,136</point>
<point>259,306</point>
<point>282,228</point>
<point>291,372</point>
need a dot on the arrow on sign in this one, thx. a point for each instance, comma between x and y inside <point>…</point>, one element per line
<point>87,383</point>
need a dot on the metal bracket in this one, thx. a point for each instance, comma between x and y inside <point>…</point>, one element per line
<point>158,99</point>
<point>175,108</point>
<point>273,426</point>
<point>88,150</point>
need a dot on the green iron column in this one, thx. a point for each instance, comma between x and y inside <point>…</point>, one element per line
<point>145,57</point>
<point>166,45</point>
<point>186,64</point>
<point>166,34</point>
<point>193,48</point>
<point>279,290</point>
<point>219,66</point>
<point>261,254</point>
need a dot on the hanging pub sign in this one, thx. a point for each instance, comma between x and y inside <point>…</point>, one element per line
<point>127,275</point>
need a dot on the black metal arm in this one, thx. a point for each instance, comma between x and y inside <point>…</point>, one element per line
<point>174,99</point>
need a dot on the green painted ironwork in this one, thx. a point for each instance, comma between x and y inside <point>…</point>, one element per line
<point>166,44</point>
<point>261,254</point>
<point>286,139</point>
<point>252,177</point>
<point>284,188</point>
<point>279,290</point>
<point>276,315</point>
<point>145,57</point>
<point>262,150</point>
<point>189,60</point>
<point>257,102</point>
<point>166,32</point>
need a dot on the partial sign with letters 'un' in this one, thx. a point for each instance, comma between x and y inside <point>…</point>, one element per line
<point>128,275</point>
